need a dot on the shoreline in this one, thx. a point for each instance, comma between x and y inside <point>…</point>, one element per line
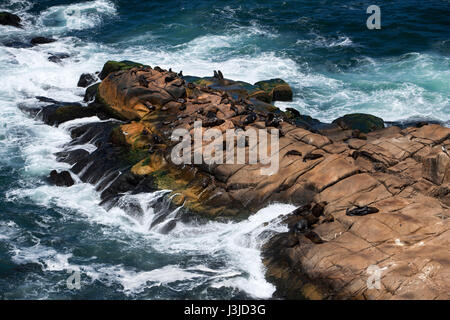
<point>350,146</point>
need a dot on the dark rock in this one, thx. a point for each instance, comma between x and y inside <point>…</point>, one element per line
<point>91,92</point>
<point>360,121</point>
<point>303,210</point>
<point>86,79</point>
<point>169,226</point>
<point>61,179</point>
<point>10,19</point>
<point>57,114</point>
<point>45,99</point>
<point>41,40</point>
<point>58,57</point>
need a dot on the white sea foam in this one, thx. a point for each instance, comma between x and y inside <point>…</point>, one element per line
<point>77,16</point>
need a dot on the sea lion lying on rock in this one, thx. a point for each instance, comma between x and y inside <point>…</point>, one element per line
<point>361,211</point>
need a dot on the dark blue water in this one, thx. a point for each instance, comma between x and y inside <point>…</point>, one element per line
<point>322,48</point>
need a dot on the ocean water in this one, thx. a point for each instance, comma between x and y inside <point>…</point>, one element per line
<point>322,48</point>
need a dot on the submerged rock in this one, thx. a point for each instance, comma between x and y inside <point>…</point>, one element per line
<point>58,57</point>
<point>10,19</point>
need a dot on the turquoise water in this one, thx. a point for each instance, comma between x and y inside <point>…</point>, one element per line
<point>322,48</point>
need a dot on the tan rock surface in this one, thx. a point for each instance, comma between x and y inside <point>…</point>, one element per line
<point>403,173</point>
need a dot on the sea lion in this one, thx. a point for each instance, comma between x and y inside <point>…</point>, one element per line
<point>314,237</point>
<point>220,75</point>
<point>250,119</point>
<point>301,226</point>
<point>318,209</point>
<point>355,155</point>
<point>143,81</point>
<point>157,139</point>
<point>212,122</point>
<point>361,211</point>
<point>272,120</point>
<point>211,114</point>
<point>327,218</point>
<point>312,156</point>
<point>169,79</point>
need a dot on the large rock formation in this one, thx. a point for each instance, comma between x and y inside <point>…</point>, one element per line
<point>10,19</point>
<point>404,174</point>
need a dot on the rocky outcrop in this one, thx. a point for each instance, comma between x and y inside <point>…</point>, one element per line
<point>365,197</point>
<point>10,19</point>
<point>61,179</point>
<point>404,175</point>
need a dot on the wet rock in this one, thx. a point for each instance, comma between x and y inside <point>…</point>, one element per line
<point>61,179</point>
<point>169,226</point>
<point>56,114</point>
<point>41,40</point>
<point>10,19</point>
<point>58,57</point>
<point>86,79</point>
<point>91,93</point>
